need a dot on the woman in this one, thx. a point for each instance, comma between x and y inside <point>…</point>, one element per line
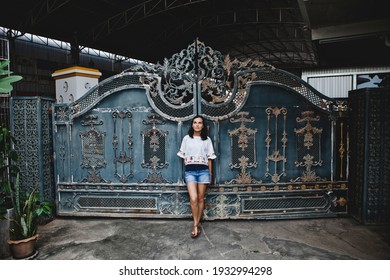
<point>197,151</point>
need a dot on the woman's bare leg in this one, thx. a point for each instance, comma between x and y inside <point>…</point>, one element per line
<point>201,194</point>
<point>193,192</point>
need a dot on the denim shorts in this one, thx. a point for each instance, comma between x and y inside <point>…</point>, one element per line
<point>199,176</point>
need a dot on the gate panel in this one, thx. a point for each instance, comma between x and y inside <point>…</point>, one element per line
<point>31,125</point>
<point>114,157</point>
<point>279,143</point>
<point>278,162</point>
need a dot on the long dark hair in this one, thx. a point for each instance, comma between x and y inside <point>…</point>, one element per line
<point>203,132</point>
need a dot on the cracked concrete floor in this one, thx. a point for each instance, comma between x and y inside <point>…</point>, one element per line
<point>169,239</point>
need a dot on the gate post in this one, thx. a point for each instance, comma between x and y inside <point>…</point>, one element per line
<point>31,124</point>
<point>369,198</point>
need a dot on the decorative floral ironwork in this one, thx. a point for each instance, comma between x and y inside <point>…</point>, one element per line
<point>125,142</point>
<point>309,137</point>
<point>276,154</point>
<point>154,148</point>
<point>222,206</point>
<point>92,148</point>
<point>341,107</point>
<point>176,81</point>
<point>62,152</point>
<point>243,143</point>
<point>175,203</point>
<point>341,149</point>
<point>94,177</point>
<point>62,114</point>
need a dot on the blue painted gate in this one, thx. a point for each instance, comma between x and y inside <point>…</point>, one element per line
<point>280,144</point>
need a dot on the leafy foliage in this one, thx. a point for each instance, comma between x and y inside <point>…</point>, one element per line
<point>6,79</point>
<point>8,167</point>
<point>28,208</point>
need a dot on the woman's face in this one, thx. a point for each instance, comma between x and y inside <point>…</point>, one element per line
<point>197,125</point>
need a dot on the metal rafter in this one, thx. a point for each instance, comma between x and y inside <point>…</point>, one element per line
<point>135,14</point>
<point>215,21</point>
<point>293,44</point>
<point>41,10</point>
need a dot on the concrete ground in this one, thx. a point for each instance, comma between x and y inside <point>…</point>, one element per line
<point>169,239</point>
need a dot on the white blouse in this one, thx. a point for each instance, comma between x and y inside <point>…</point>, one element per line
<point>196,151</point>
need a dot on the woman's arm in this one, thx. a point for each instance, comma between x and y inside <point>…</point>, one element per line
<point>210,163</point>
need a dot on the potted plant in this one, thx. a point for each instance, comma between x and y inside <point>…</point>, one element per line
<point>29,211</point>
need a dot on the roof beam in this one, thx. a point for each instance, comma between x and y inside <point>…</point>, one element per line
<point>41,10</point>
<point>225,19</point>
<point>350,31</point>
<point>134,14</point>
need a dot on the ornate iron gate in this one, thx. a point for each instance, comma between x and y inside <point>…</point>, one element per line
<point>280,144</point>
<point>31,122</point>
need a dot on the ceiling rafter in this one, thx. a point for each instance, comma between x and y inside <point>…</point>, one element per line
<point>214,21</point>
<point>274,30</point>
<point>41,10</point>
<point>135,14</point>
<point>256,51</point>
<point>259,42</point>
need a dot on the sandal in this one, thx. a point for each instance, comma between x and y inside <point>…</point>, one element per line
<point>195,232</point>
<point>199,229</point>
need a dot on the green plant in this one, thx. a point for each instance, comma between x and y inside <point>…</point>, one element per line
<point>28,209</point>
<point>8,167</point>
<point>28,206</point>
<point>7,154</point>
<point>6,79</point>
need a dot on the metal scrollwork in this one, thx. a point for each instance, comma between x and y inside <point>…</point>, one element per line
<point>152,82</point>
<point>341,108</point>
<point>309,147</point>
<point>222,206</point>
<point>154,141</point>
<point>92,148</point>
<point>177,77</point>
<point>62,114</point>
<point>62,152</point>
<point>342,149</point>
<point>175,203</point>
<point>122,141</point>
<point>276,155</point>
<point>198,73</point>
<point>243,143</point>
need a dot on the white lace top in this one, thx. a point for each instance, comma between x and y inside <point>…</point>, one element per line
<point>196,151</point>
